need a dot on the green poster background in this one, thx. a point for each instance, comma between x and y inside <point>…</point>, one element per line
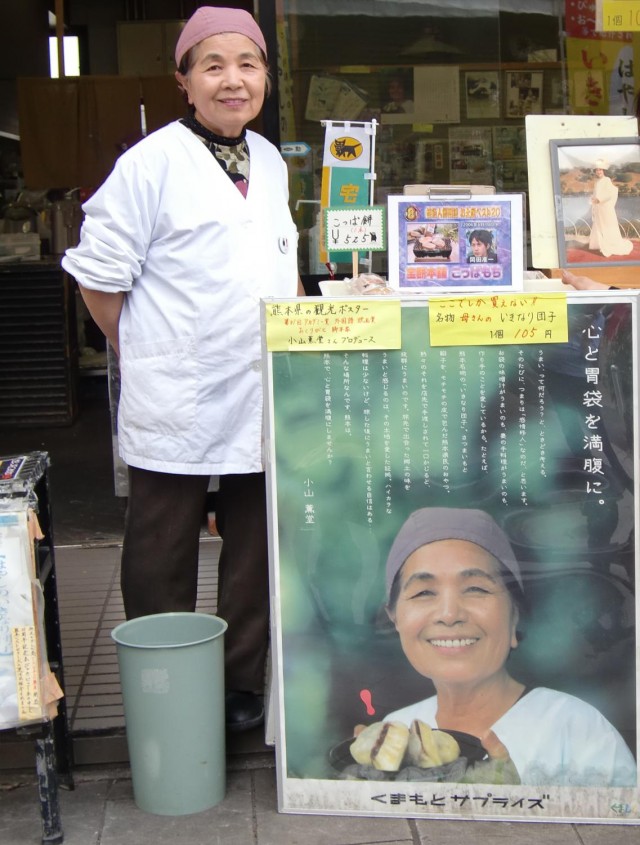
<point>360,440</point>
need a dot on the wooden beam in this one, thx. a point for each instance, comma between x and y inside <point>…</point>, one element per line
<point>59,12</point>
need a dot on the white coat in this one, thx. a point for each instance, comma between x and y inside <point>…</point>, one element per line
<point>169,228</point>
<point>553,738</point>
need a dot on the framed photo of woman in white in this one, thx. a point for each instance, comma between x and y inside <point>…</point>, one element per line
<point>596,186</point>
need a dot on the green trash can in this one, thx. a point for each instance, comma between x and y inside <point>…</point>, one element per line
<point>172,678</point>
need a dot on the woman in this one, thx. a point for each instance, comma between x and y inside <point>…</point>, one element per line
<point>399,102</point>
<point>605,229</point>
<point>178,246</point>
<point>454,592</point>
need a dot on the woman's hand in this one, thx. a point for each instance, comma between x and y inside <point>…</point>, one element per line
<point>581,282</point>
<point>499,768</point>
<point>494,747</point>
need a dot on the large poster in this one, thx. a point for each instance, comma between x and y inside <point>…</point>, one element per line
<point>453,573</point>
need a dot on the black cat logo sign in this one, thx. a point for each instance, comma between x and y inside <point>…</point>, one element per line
<point>346,148</point>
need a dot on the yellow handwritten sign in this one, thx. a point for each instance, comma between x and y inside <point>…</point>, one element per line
<point>620,16</point>
<point>314,325</point>
<point>498,319</point>
<point>25,660</point>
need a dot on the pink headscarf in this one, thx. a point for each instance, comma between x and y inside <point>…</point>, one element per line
<point>211,20</point>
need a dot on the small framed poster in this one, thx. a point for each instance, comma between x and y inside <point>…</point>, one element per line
<point>482,93</point>
<point>596,186</point>
<point>524,93</point>
<point>461,242</point>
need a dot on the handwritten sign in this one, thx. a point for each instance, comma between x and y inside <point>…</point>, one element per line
<point>25,659</point>
<point>20,687</point>
<point>620,16</point>
<point>499,319</point>
<point>330,326</point>
<point>355,229</point>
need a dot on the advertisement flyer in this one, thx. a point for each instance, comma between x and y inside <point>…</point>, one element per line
<point>454,553</point>
<point>456,243</point>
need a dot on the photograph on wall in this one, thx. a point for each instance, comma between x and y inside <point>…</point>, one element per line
<point>482,94</point>
<point>509,142</point>
<point>437,93</point>
<point>511,174</point>
<point>334,98</point>
<point>596,187</point>
<point>455,524</point>
<point>470,155</point>
<point>457,243</point>
<point>429,161</point>
<point>523,91</point>
<point>396,92</point>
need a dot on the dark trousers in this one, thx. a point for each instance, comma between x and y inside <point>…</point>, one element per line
<point>159,571</point>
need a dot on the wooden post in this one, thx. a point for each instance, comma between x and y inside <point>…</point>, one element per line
<point>59,12</point>
<point>354,260</point>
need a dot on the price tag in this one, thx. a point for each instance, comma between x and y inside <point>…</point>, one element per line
<point>620,16</point>
<point>498,320</point>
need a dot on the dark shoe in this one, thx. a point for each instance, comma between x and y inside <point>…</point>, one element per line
<point>243,711</point>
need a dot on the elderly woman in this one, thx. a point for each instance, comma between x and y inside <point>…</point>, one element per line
<point>454,595</point>
<point>191,229</point>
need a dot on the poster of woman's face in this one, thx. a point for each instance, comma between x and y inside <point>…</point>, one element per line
<point>596,185</point>
<point>396,96</point>
<point>454,553</point>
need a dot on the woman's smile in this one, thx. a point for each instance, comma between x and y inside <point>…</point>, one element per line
<point>457,643</point>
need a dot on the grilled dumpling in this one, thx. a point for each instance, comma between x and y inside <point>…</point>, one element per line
<point>429,748</point>
<point>381,745</point>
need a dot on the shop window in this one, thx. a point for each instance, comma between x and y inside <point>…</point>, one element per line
<point>449,84</point>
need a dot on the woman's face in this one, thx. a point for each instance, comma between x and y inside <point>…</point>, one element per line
<point>478,248</point>
<point>226,83</point>
<point>454,615</point>
<point>599,173</point>
<point>396,91</point>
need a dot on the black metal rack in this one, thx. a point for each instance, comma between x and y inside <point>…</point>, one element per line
<point>38,345</point>
<point>24,484</point>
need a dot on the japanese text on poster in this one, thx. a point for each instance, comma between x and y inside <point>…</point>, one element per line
<point>322,325</point>
<point>498,319</point>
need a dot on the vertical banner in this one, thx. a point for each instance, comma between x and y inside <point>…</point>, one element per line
<point>347,166</point>
<point>600,65</point>
<point>454,552</point>
<point>285,83</point>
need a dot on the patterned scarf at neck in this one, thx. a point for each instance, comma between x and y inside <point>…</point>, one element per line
<point>232,154</point>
